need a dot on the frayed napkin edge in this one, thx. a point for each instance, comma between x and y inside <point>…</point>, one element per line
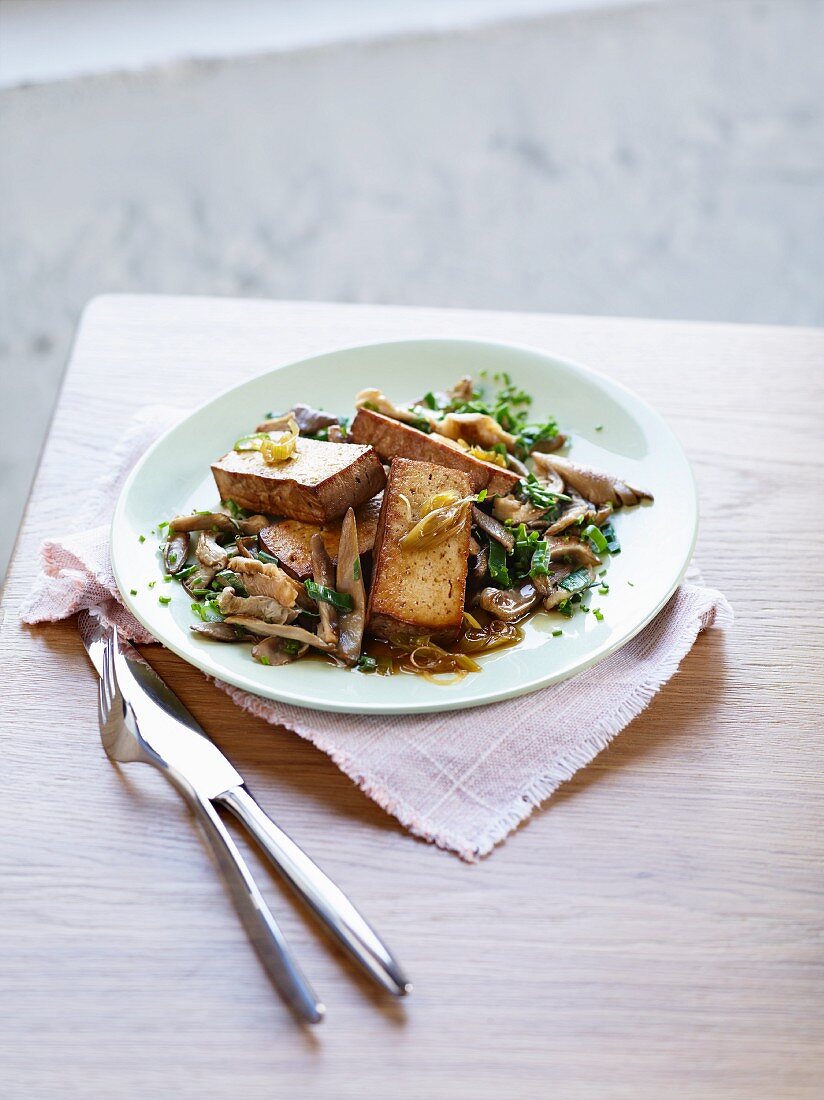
<point>717,612</point>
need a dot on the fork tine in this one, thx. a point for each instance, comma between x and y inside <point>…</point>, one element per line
<point>106,683</point>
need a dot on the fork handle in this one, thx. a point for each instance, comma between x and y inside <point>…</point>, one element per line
<point>261,926</point>
<point>328,901</point>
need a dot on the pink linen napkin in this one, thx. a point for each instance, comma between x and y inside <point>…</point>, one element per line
<point>457,781</point>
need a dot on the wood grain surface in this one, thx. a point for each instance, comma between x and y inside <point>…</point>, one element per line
<point>656,930</point>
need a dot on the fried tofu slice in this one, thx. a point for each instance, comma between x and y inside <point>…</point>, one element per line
<point>290,541</point>
<point>418,591</point>
<point>317,484</point>
<point>391,439</point>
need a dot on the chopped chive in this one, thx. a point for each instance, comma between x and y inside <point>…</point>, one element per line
<point>603,573</point>
<point>603,589</point>
<point>291,646</point>
<point>167,577</point>
<point>596,611</point>
<point>164,600</point>
<point>270,558</point>
<point>481,497</point>
<point>152,584</point>
<point>599,427</point>
<point>141,538</point>
<point>631,584</point>
<point>132,591</point>
<point>366,663</point>
<point>264,660</point>
<point>557,633</point>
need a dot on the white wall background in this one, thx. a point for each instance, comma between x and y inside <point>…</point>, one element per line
<point>662,159</point>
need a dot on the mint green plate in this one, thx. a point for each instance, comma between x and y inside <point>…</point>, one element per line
<point>174,476</point>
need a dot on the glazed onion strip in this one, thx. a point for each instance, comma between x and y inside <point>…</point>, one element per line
<point>274,446</point>
<point>441,516</point>
<point>438,656</point>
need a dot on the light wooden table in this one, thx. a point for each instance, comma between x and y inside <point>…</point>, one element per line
<point>655,931</point>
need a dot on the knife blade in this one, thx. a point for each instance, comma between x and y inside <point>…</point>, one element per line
<point>168,729</point>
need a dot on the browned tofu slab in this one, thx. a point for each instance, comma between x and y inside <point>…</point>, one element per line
<point>316,485</point>
<point>417,592</point>
<point>291,540</point>
<point>391,439</point>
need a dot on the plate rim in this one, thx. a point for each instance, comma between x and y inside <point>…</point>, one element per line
<point>365,707</point>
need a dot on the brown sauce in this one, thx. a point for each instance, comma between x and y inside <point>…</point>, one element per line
<point>489,635</point>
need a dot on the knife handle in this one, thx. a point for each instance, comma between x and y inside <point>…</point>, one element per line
<point>328,902</point>
<point>260,925</point>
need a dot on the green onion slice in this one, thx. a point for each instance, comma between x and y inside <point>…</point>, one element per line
<point>540,560</point>
<point>497,564</point>
<point>341,600</point>
<point>579,581</point>
<point>613,545</point>
<point>596,537</point>
<point>227,579</point>
<point>208,612</point>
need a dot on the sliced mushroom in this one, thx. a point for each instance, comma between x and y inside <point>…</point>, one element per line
<point>508,604</point>
<point>463,390</point>
<point>271,651</point>
<point>202,577</point>
<point>572,551</point>
<point>309,420</point>
<point>556,595</point>
<point>245,547</point>
<point>275,423</point>
<point>323,573</point>
<point>596,486</point>
<point>546,446</point>
<point>517,511</point>
<point>548,477</point>
<point>492,527</point>
<point>277,630</point>
<point>260,607</point>
<point>374,399</point>
<point>350,582</point>
<point>545,586</point>
<point>579,511</point>
<point>515,464</point>
<point>210,553</point>
<point>476,428</point>
<point>572,513</point>
<point>205,521</point>
<point>253,525</point>
<point>267,579</point>
<point>481,566</point>
<point>176,552</point>
<point>219,632</point>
